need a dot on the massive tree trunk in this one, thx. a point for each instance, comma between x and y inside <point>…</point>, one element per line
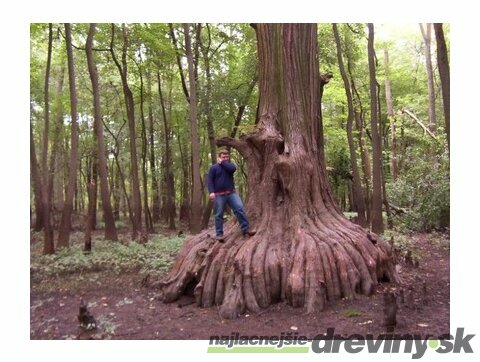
<point>196,210</point>
<point>66,222</point>
<point>305,252</point>
<point>376,213</point>
<point>110,229</point>
<point>358,195</point>
<point>444,71</point>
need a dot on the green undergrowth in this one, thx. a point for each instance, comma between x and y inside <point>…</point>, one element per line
<point>154,257</point>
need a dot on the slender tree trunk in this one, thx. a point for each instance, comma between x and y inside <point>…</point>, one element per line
<point>170,182</point>
<point>153,166</point>
<point>128,95</point>
<point>196,211</point>
<point>444,71</point>
<point>92,200</point>
<point>148,215</point>
<point>358,196</point>
<point>48,245</point>
<point>110,229</point>
<point>179,63</point>
<point>66,222</point>
<point>55,193</point>
<point>117,193</point>
<point>377,220</point>
<point>384,164</point>
<point>359,122</point>
<point>427,37</point>
<point>208,107</point>
<point>305,252</point>
<point>243,105</point>
<point>121,175</point>
<point>92,180</point>
<point>391,116</point>
<point>36,181</point>
<point>185,197</point>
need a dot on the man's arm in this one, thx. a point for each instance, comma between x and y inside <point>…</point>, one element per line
<point>228,166</point>
<point>210,178</point>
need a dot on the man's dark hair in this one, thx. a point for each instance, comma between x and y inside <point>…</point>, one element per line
<point>223,151</point>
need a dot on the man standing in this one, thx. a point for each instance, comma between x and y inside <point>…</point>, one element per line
<point>221,188</point>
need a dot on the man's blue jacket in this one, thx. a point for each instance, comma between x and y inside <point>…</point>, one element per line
<point>220,177</point>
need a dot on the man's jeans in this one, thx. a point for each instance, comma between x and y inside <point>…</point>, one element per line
<point>235,203</point>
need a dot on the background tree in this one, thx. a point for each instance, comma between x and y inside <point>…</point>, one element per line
<point>130,107</point>
<point>195,219</point>
<point>66,222</point>
<point>377,218</point>
<point>444,71</point>
<point>48,243</point>
<point>110,229</point>
<point>427,38</point>
<point>359,198</point>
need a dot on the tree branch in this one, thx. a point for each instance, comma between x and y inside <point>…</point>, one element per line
<point>240,145</point>
<point>404,110</point>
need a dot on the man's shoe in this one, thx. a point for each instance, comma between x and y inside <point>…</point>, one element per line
<point>249,232</point>
<point>220,238</point>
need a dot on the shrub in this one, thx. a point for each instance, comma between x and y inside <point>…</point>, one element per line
<point>424,189</point>
<point>154,257</point>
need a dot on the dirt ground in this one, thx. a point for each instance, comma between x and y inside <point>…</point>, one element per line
<point>124,309</point>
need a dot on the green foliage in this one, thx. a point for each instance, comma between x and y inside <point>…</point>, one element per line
<point>403,244</point>
<point>425,191</point>
<point>154,257</point>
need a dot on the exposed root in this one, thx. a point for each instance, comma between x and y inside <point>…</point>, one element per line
<point>308,267</point>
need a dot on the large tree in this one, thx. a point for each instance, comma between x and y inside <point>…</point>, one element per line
<point>305,251</point>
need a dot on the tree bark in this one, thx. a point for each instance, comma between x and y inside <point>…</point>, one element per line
<point>179,63</point>
<point>110,229</point>
<point>444,71</point>
<point>130,107</point>
<point>153,165</point>
<point>48,245</point>
<point>427,38</point>
<point>55,189</point>
<point>36,180</point>
<point>66,221</point>
<point>184,214</point>
<point>196,210</point>
<point>391,116</point>
<point>148,215</point>
<point>377,219</point>
<point>305,252</point>
<point>358,195</point>
<point>359,122</point>
<point>208,92</point>
<point>92,200</point>
<point>170,182</point>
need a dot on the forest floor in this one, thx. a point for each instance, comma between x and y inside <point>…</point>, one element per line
<point>124,309</point>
